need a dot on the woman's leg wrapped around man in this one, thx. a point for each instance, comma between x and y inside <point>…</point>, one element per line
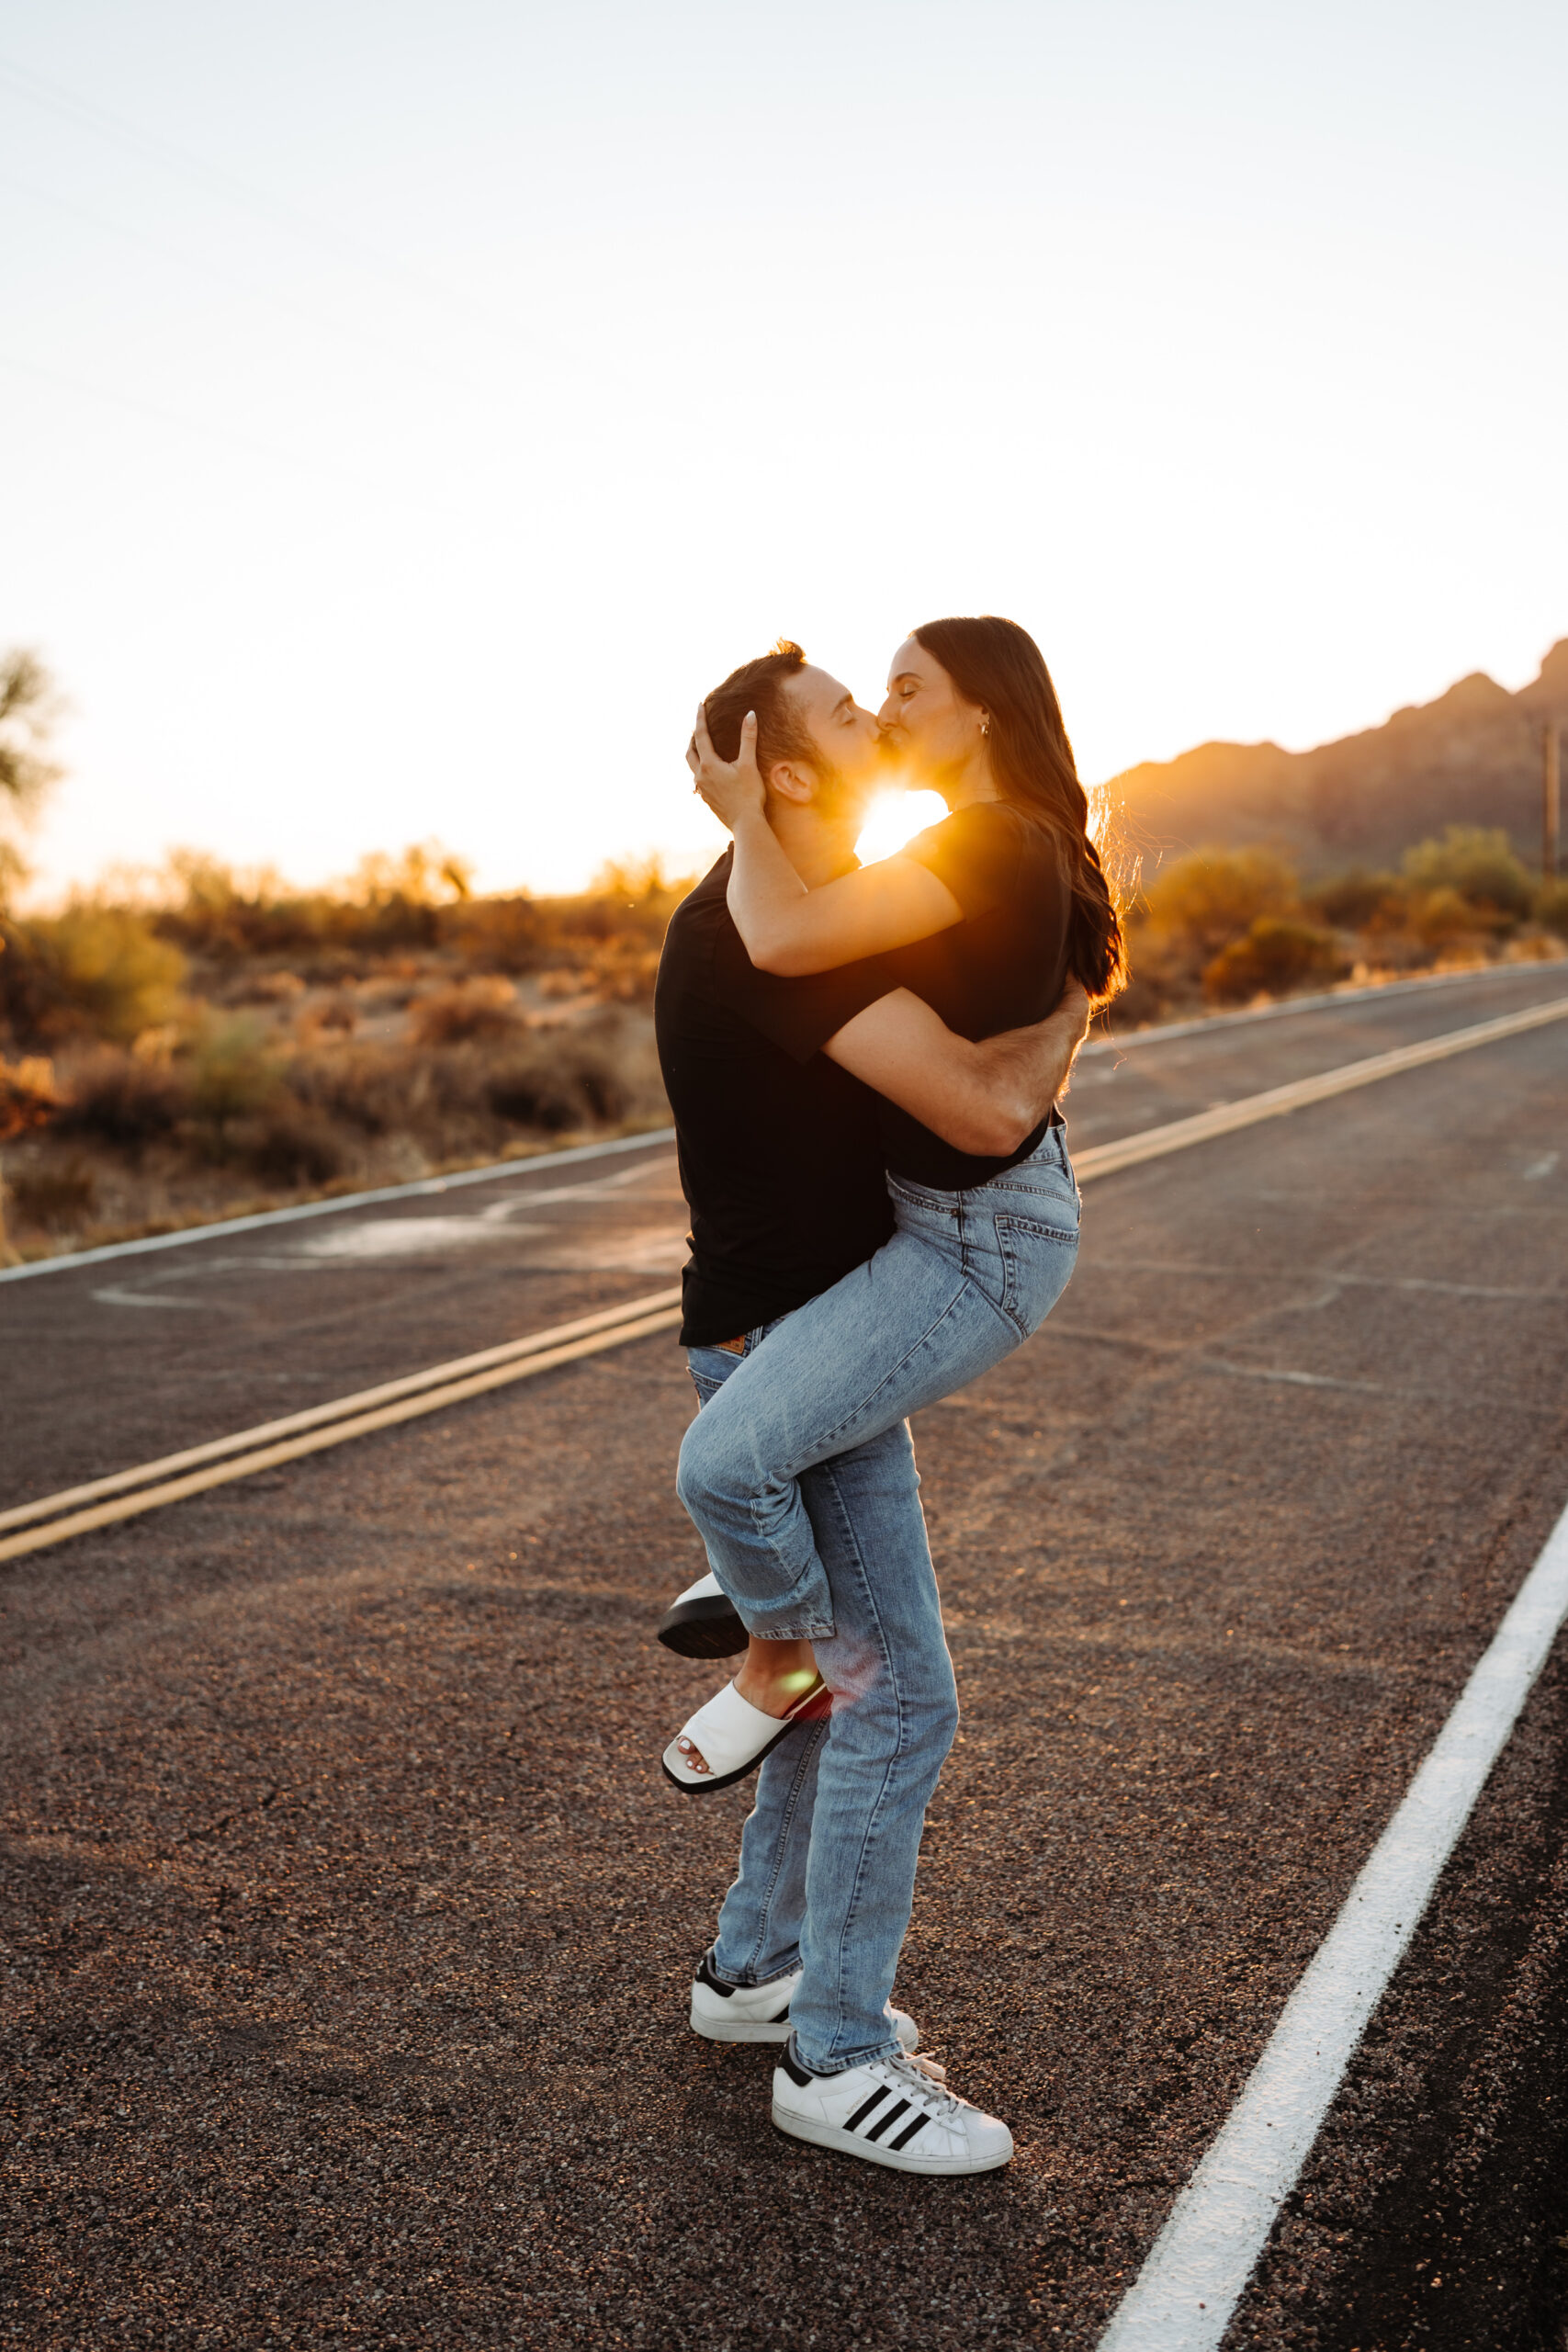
<point>961,1283</point>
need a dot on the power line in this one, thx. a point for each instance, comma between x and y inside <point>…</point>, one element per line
<point>88,116</point>
<point>135,407</point>
<point>203,270</point>
<point>38,91</point>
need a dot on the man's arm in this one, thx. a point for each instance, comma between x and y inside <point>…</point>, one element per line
<point>984,1097</point>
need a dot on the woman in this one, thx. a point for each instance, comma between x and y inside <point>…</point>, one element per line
<point>985,916</point>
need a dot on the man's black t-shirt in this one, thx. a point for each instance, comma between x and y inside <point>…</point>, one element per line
<point>1003,966</point>
<point>780,1160</point>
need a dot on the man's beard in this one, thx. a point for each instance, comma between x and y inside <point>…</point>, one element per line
<point>893,760</point>
<point>837,798</point>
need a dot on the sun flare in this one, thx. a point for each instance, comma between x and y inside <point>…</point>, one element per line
<point>895,817</point>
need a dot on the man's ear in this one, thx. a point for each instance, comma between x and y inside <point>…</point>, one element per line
<point>784,781</point>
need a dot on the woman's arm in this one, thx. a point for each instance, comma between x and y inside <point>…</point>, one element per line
<point>791,930</point>
<point>785,927</point>
<point>982,1098</point>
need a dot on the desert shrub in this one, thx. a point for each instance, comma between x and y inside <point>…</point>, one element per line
<point>1551,907</point>
<point>1477,864</point>
<point>1273,954</point>
<point>330,967</point>
<point>29,1096</point>
<point>1146,998</point>
<point>564,1082</point>
<point>1358,901</point>
<point>449,1098</point>
<point>58,1199</point>
<point>641,888</point>
<point>471,1010</point>
<point>208,909</point>
<point>339,1016</point>
<point>602,1090</point>
<point>124,1100</point>
<point>1163,980</point>
<point>541,1099</point>
<point>375,1088</point>
<point>1443,918</point>
<point>30,989</point>
<point>1213,896</point>
<point>267,988</point>
<point>509,934</point>
<point>613,931</point>
<point>392,994</point>
<point>289,1144</point>
<point>117,975</point>
<point>624,972</point>
<point>389,902</point>
<point>246,1108</point>
<point>418,901</point>
<point>95,971</point>
<point>231,1074</point>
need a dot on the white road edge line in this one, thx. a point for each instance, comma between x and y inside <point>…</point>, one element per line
<point>422,1189</point>
<point>1183,2298</point>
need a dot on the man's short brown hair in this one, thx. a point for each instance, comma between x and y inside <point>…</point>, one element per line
<point>760,685</point>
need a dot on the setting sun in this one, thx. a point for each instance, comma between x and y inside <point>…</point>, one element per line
<point>895,817</point>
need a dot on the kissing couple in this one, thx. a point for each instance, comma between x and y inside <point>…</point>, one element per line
<point>863,1064</point>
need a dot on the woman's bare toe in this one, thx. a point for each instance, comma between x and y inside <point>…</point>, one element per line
<point>689,1755</point>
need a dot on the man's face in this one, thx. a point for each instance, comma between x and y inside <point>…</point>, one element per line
<point>849,763</point>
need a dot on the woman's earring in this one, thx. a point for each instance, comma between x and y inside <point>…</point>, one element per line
<point>985,727</point>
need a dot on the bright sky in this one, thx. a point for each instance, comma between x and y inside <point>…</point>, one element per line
<point>408,411</point>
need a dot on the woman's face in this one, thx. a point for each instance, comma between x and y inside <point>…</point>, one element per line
<point>925,719</point>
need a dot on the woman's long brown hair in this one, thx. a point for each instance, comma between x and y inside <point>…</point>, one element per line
<point>997,665</point>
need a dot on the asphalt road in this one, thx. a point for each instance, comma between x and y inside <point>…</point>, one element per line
<point>119,1362</point>
<point>349,1920</point>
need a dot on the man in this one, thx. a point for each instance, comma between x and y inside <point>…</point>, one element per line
<point>774,1085</point>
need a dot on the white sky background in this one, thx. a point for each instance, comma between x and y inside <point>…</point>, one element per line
<point>408,411</point>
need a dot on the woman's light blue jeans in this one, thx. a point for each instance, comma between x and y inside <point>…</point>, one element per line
<point>965,1277</point>
<point>827,1857</point>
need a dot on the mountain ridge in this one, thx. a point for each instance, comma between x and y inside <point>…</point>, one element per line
<point>1472,756</point>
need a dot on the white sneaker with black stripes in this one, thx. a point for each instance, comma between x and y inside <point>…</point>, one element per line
<point>894,2111</point>
<point>723,2012</point>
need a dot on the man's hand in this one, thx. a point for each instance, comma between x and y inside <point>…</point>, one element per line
<point>1026,1071</point>
<point>981,1098</point>
<point>1072,1016</point>
<point>733,789</point>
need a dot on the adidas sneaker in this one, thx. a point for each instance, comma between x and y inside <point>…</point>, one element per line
<point>894,2111</point>
<point>723,2012</point>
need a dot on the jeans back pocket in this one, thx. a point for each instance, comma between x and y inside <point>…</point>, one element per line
<point>1037,1259</point>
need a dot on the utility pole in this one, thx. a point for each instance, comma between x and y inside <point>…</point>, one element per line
<point>1550,798</point>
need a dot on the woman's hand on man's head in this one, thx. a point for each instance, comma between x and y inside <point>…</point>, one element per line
<point>733,789</point>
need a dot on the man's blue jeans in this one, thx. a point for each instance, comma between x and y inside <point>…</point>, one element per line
<point>965,1277</point>
<point>827,1857</point>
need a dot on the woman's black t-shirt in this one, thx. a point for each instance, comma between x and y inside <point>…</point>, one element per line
<point>1003,966</point>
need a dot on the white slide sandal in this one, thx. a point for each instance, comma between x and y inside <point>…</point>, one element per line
<point>732,1736</point>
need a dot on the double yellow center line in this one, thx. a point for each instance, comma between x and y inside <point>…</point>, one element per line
<point>263,1448</point>
<point>102,1501</point>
